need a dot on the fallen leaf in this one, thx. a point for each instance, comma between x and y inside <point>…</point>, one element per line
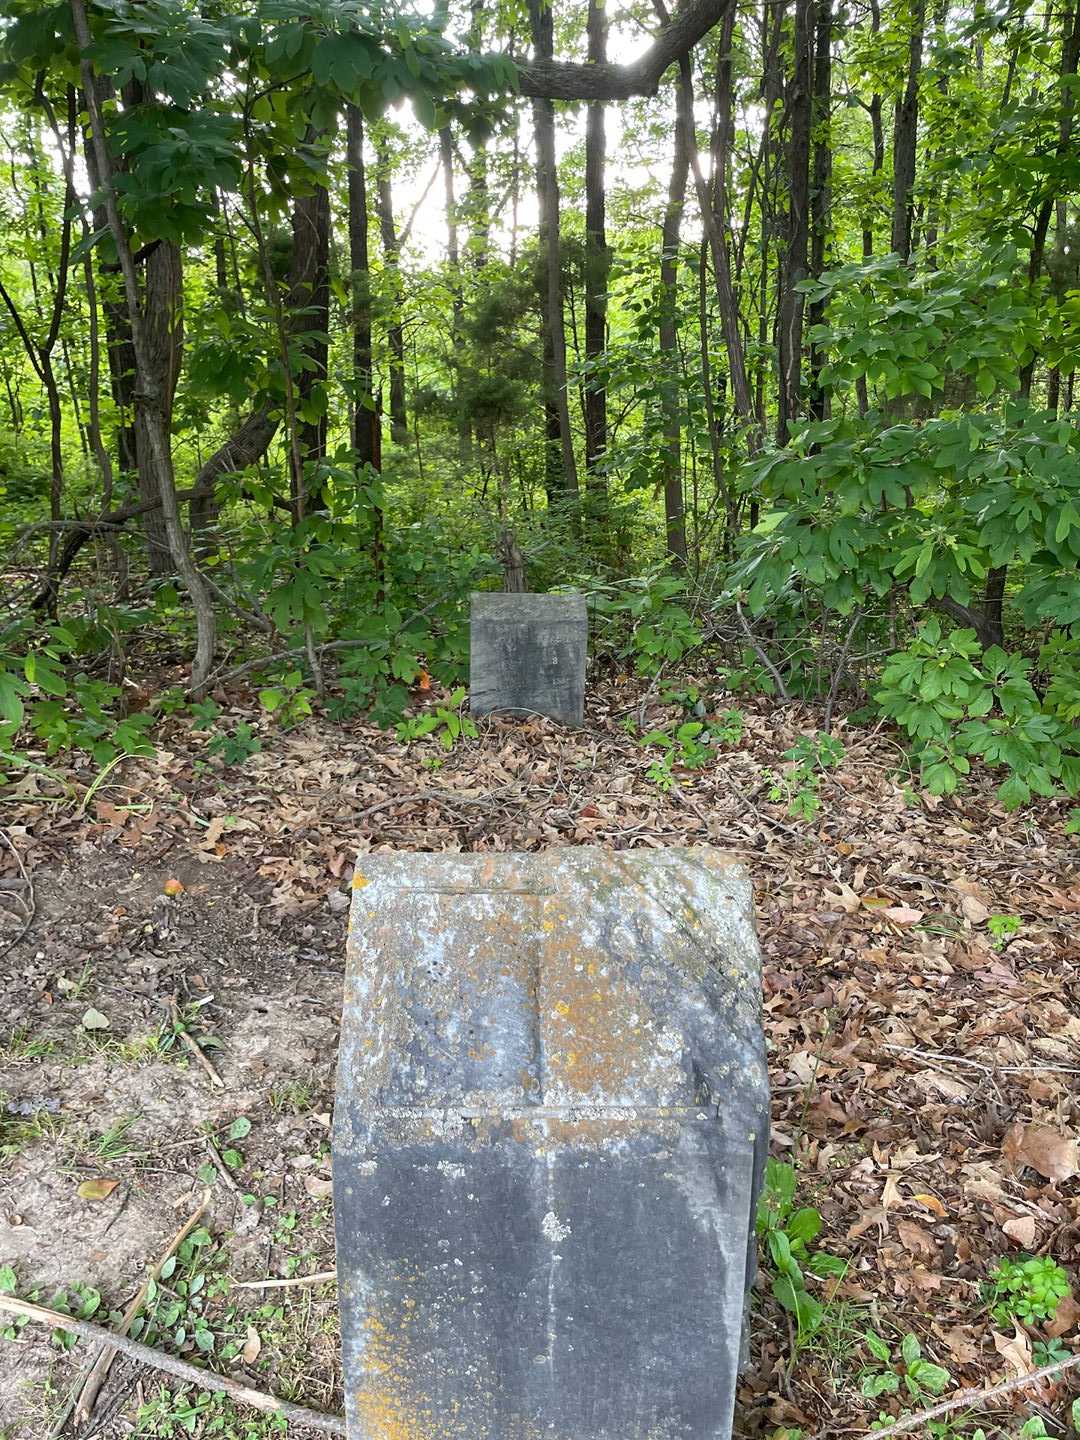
<point>890,1195</point>
<point>932,1203</point>
<point>252,1345</point>
<point>1065,1317</point>
<point>318,1188</point>
<point>1054,1156</point>
<point>961,1347</point>
<point>914,1238</point>
<point>1022,1229</point>
<point>96,1189</point>
<point>95,1020</point>
<point>174,887</point>
<point>974,910</point>
<point>1015,1350</point>
<point>903,914</point>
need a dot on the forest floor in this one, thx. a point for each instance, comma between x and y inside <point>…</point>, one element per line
<point>925,1056</point>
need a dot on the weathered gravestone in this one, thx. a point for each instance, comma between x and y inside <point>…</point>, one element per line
<point>551,1125</point>
<point>527,655</point>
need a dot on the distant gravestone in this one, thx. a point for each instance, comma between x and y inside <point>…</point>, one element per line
<point>550,1133</point>
<point>528,655</point>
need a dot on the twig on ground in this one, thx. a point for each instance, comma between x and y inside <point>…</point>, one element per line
<point>321,1277</point>
<point>181,1369</point>
<point>27,901</point>
<point>220,1166</point>
<point>100,1368</point>
<point>193,1045</point>
<point>976,1399</point>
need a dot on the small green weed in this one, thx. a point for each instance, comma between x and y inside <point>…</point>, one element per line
<point>202,1413</point>
<point>919,1376</point>
<point>1003,928</point>
<point>82,1302</point>
<point>295,1098</point>
<point>176,1309</point>
<point>800,784</point>
<point>112,1144</point>
<point>289,700</point>
<point>21,1045</point>
<point>19,1131</point>
<point>1049,1352</point>
<point>1028,1289</point>
<point>447,723</point>
<point>788,1234</point>
<point>237,747</point>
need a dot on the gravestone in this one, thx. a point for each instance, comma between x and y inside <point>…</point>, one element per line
<point>527,655</point>
<point>550,1132</point>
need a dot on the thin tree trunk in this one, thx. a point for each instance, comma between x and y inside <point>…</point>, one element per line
<point>309,307</point>
<point>800,112</point>
<point>1070,58</point>
<point>151,403</point>
<point>820,189</point>
<point>714,219</point>
<point>365,420</point>
<point>453,258</point>
<point>562,466</point>
<point>905,137</point>
<point>163,336</point>
<point>670,398</point>
<point>399,426</point>
<point>597,265</point>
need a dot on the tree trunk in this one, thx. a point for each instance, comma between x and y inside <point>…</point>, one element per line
<point>1070,58</point>
<point>715,221</point>
<point>561,469</point>
<point>905,137</point>
<point>670,399</point>
<point>119,352</point>
<point>820,188</point>
<point>453,258</point>
<point>399,425</point>
<point>597,266</point>
<point>163,331</point>
<point>366,434</point>
<point>150,400</point>
<point>309,316</point>
<point>800,113</point>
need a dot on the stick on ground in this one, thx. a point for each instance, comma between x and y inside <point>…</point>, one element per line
<point>976,1399</point>
<point>172,1365</point>
<point>193,1045</point>
<point>321,1277</point>
<point>102,1365</point>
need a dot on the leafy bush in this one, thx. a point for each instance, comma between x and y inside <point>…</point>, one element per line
<point>956,702</point>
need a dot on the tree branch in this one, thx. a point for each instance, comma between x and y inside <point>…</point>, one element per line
<point>181,1369</point>
<point>566,80</point>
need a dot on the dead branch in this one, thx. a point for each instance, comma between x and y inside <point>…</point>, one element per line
<point>761,653</point>
<point>321,1277</point>
<point>181,1369</point>
<point>976,1399</point>
<point>192,1045</point>
<point>27,901</point>
<point>101,1366</point>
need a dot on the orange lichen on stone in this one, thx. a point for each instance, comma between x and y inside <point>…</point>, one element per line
<point>386,1408</point>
